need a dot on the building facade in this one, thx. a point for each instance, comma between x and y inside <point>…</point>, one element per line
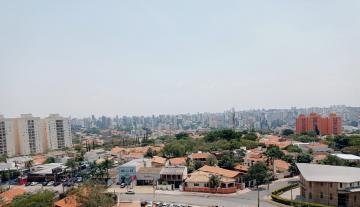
<point>331,125</point>
<point>7,137</point>
<point>330,185</point>
<point>58,132</point>
<point>30,134</point>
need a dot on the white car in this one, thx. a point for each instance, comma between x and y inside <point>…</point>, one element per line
<point>34,183</point>
<point>51,183</point>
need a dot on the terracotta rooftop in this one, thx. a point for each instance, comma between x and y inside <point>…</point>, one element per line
<point>219,171</point>
<point>69,201</point>
<point>203,177</point>
<point>281,165</point>
<point>200,155</point>
<point>177,161</point>
<point>9,195</point>
<point>158,160</point>
<point>242,168</point>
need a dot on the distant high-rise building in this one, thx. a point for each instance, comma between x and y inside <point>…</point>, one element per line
<point>321,125</point>
<point>7,136</point>
<point>58,132</point>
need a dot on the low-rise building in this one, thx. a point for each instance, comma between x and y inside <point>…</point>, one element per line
<point>51,171</point>
<point>330,185</point>
<point>127,172</point>
<point>222,172</point>
<point>348,157</point>
<point>199,156</point>
<point>148,175</point>
<point>174,175</point>
<point>157,161</point>
<point>199,182</point>
<point>177,161</point>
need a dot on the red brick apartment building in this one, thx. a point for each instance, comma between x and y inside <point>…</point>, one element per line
<point>323,125</point>
<point>330,185</point>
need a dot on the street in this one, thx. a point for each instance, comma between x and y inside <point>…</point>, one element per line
<point>240,199</point>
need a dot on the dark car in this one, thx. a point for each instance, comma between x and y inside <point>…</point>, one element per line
<point>28,184</point>
<point>57,183</point>
<point>45,183</point>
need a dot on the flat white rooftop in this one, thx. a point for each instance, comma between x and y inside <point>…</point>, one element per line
<point>329,173</point>
<point>347,156</point>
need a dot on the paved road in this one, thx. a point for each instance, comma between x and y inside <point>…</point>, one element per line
<point>235,200</point>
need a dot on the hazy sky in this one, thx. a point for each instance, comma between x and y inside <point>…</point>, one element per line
<point>154,57</point>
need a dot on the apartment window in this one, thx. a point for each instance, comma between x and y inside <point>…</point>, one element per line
<point>322,184</point>
<point>351,185</point>
<point>330,185</point>
<point>321,195</point>
<point>196,184</point>
<point>310,184</point>
<point>331,196</point>
<point>354,199</point>
<point>340,185</point>
<point>310,196</point>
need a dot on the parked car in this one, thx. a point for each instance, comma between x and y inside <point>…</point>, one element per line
<point>122,185</point>
<point>34,183</point>
<point>56,183</point>
<point>79,179</point>
<point>51,183</point>
<point>28,184</point>
<point>45,183</point>
<point>130,192</point>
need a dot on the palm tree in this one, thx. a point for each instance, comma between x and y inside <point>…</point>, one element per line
<point>72,164</point>
<point>29,164</point>
<point>214,181</point>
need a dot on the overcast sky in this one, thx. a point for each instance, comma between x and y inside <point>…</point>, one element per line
<point>155,57</point>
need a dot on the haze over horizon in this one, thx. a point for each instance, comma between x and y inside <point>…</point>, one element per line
<point>160,57</point>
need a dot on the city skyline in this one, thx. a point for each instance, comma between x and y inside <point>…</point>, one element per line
<point>143,58</point>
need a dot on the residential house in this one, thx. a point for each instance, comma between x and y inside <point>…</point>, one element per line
<point>128,171</point>
<point>174,175</point>
<point>199,182</point>
<point>148,175</point>
<point>330,185</point>
<point>199,156</point>
<point>222,172</point>
<point>157,161</point>
<point>177,161</point>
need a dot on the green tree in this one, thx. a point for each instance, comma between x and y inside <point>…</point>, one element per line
<point>287,132</point>
<point>49,160</point>
<point>304,158</point>
<point>259,172</point>
<point>333,160</point>
<point>214,181</point>
<point>197,164</point>
<point>29,164</point>
<point>293,148</point>
<point>293,169</point>
<point>149,152</point>
<point>227,161</point>
<point>182,135</point>
<point>274,152</point>
<point>250,136</point>
<point>72,164</point>
<point>92,195</point>
<point>211,161</point>
<point>43,198</point>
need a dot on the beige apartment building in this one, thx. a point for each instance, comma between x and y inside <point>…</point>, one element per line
<point>330,185</point>
<point>58,132</point>
<point>32,135</point>
<point>7,136</point>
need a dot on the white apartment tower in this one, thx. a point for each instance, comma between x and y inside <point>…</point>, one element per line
<point>8,134</point>
<point>30,134</point>
<point>57,132</point>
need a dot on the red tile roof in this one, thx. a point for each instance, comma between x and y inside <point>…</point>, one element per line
<point>219,171</point>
